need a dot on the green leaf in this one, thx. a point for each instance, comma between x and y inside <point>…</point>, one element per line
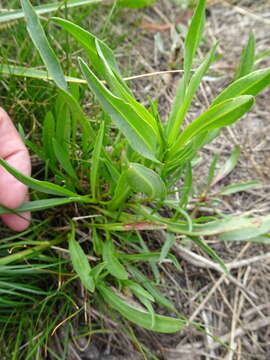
<point>121,192</point>
<point>46,8</point>
<point>38,205</point>
<point>137,289</point>
<point>88,41</point>
<point>94,173</point>
<point>229,165</point>
<point>170,240</point>
<point>113,265</point>
<point>137,4</point>
<point>247,58</point>
<point>163,324</point>
<point>223,114</point>
<point>248,229</point>
<point>234,188</point>
<point>180,108</point>
<point>193,37</point>
<point>141,136</point>
<point>9,69</point>
<point>142,179</point>
<point>80,262</point>
<point>146,282</point>
<point>49,58</point>
<point>202,244</point>
<point>62,156</point>
<point>40,41</point>
<point>120,89</point>
<point>251,84</point>
<point>42,186</point>
<point>48,133</point>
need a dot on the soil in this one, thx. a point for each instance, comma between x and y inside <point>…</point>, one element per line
<point>235,310</point>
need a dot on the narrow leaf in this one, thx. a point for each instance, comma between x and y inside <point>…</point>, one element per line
<point>94,173</point>
<point>247,58</point>
<point>193,37</point>
<point>251,84</point>
<point>234,188</point>
<point>180,108</point>
<point>223,114</point>
<point>229,165</point>
<point>38,205</point>
<point>38,37</point>
<point>163,324</point>
<point>42,186</point>
<point>80,262</point>
<point>113,265</point>
<point>140,134</point>
<point>62,156</point>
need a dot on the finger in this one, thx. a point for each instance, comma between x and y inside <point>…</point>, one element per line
<point>15,222</point>
<point>12,149</point>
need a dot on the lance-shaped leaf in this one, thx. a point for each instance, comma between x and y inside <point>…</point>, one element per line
<point>217,116</point>
<point>229,165</point>
<point>234,188</point>
<point>113,265</point>
<point>193,37</point>
<point>247,59</point>
<point>62,156</point>
<point>142,179</point>
<point>251,84</point>
<point>38,205</point>
<point>163,324</point>
<point>94,174</point>
<point>105,65</point>
<point>42,186</point>
<point>80,262</point>
<point>141,136</point>
<point>38,37</point>
<point>138,4</point>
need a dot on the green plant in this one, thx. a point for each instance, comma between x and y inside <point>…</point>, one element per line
<point>120,169</point>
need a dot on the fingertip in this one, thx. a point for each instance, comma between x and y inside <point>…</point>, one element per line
<point>17,223</point>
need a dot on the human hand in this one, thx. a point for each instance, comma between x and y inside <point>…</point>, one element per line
<point>12,192</point>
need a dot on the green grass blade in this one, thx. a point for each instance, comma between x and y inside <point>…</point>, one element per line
<point>217,116</point>
<point>142,179</point>
<point>42,186</point>
<point>140,134</point>
<point>80,262</point>
<point>94,173</point>
<point>247,59</point>
<point>163,324</point>
<point>113,265</point>
<point>251,84</point>
<point>46,8</point>
<point>40,41</point>
<point>38,205</point>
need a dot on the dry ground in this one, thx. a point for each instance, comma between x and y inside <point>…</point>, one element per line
<point>235,309</point>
